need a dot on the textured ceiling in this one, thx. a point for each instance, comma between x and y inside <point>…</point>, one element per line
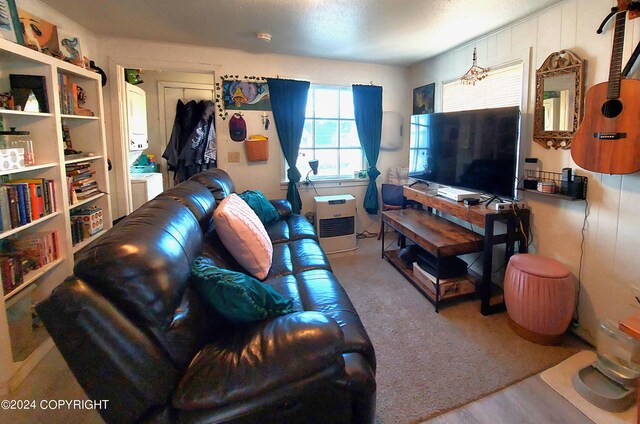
<point>400,32</point>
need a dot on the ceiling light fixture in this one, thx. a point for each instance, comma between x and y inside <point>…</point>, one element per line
<point>264,36</point>
<point>475,73</point>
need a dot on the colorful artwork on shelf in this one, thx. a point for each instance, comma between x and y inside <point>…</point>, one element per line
<point>9,22</point>
<point>423,99</point>
<point>69,46</point>
<point>245,95</point>
<point>39,34</point>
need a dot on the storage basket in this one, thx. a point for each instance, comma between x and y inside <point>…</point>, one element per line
<point>257,148</point>
<point>138,169</point>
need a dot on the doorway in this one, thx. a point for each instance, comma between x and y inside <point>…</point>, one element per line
<point>169,93</point>
<point>160,111</point>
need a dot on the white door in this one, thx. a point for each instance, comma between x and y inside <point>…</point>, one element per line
<point>137,118</point>
<point>168,95</point>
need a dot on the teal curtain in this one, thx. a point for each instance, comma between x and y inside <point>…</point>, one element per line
<point>367,105</point>
<point>288,103</point>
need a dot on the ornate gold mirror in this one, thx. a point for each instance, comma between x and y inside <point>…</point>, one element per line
<point>559,99</point>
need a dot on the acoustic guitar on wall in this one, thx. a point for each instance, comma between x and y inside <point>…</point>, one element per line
<point>608,139</point>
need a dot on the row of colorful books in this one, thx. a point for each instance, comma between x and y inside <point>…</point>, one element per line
<point>29,252</point>
<point>80,181</point>
<point>25,200</point>
<point>69,97</point>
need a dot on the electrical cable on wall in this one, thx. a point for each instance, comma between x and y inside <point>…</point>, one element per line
<point>582,231</point>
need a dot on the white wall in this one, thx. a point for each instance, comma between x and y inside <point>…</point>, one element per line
<point>266,176</point>
<point>612,242</point>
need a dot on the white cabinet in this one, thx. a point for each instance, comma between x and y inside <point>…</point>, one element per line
<point>46,132</point>
<point>137,118</point>
<point>145,187</point>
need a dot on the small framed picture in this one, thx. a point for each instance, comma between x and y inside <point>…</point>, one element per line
<point>69,46</point>
<point>423,99</point>
<point>10,28</point>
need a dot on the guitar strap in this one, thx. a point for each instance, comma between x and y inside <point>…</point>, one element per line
<point>631,62</point>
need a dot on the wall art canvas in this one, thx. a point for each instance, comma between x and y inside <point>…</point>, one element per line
<point>423,99</point>
<point>39,34</point>
<point>69,46</point>
<point>245,95</point>
<point>10,22</point>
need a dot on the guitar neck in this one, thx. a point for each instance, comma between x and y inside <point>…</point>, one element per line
<point>615,75</point>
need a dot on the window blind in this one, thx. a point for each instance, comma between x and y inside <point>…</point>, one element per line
<point>501,88</point>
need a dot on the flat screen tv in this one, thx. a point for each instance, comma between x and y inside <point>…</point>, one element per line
<point>475,149</point>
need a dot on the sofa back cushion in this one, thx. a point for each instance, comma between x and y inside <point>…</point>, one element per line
<point>217,181</point>
<point>142,266</point>
<point>197,198</point>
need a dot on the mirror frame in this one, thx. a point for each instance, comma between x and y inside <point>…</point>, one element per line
<point>559,63</point>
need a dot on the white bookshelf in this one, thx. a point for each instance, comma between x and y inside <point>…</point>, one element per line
<point>87,135</point>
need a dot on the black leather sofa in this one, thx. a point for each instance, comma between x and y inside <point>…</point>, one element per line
<point>134,332</point>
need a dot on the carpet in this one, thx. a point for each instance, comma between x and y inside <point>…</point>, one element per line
<point>430,363</point>
<point>559,378</point>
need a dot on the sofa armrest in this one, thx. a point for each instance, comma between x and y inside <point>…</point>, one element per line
<point>265,356</point>
<point>110,357</point>
<point>283,207</point>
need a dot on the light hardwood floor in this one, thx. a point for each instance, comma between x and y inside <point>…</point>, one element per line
<point>530,401</point>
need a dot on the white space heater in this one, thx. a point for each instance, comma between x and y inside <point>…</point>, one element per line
<point>336,222</point>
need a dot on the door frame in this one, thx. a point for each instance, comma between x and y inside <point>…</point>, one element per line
<point>121,201</point>
<point>161,111</point>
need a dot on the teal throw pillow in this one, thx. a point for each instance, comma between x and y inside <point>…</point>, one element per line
<point>261,206</point>
<point>237,296</point>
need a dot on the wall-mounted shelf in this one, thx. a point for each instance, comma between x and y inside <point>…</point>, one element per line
<point>576,189</point>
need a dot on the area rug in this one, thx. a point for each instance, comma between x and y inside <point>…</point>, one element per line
<point>559,378</point>
<point>430,363</point>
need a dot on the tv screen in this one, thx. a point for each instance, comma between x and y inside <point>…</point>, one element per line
<point>475,149</point>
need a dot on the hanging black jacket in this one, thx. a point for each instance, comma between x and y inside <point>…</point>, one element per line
<point>192,145</point>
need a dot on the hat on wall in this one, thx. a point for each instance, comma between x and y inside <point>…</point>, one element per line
<point>237,127</point>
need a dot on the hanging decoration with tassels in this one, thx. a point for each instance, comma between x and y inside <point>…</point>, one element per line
<point>475,73</point>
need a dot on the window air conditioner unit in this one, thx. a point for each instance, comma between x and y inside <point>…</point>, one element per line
<point>336,222</point>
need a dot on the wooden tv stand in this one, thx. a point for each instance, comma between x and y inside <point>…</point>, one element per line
<point>436,233</point>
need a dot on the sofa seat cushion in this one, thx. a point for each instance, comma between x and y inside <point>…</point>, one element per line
<point>318,290</point>
<point>295,227</point>
<point>297,256</point>
<point>244,235</point>
<point>255,360</point>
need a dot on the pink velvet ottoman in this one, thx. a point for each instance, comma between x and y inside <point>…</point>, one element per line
<point>540,297</point>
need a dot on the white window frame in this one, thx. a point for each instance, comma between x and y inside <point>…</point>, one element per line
<point>328,180</point>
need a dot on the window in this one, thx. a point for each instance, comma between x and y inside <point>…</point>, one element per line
<point>330,134</point>
<point>502,88</point>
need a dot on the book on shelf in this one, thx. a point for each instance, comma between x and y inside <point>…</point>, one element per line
<point>80,181</point>
<point>26,200</point>
<point>77,230</point>
<point>69,99</point>
<point>30,252</point>
<point>86,194</point>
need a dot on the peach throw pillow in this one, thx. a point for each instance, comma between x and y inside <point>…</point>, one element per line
<point>244,235</point>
